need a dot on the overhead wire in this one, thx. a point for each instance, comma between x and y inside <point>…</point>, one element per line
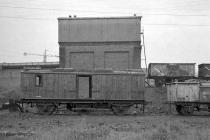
<point>176,6</point>
<point>182,15</point>
<point>27,18</point>
<point>157,24</point>
<point>148,24</point>
<point>60,10</point>
<point>184,6</point>
<point>92,11</point>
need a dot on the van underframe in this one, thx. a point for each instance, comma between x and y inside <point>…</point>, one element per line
<point>188,107</point>
<point>47,106</point>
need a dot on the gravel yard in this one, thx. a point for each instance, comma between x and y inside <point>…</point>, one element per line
<point>100,126</point>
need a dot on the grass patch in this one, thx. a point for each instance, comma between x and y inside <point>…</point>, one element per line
<point>163,131</point>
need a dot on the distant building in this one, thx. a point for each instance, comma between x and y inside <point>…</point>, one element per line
<point>10,72</point>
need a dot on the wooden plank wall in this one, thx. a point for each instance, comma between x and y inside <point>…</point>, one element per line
<point>27,85</point>
<point>118,87</point>
<point>63,85</point>
<point>54,86</point>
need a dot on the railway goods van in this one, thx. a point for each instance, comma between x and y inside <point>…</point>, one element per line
<point>189,96</point>
<point>167,72</point>
<point>47,89</point>
<point>204,71</point>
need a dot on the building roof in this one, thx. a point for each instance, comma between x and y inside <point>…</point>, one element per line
<point>29,64</point>
<point>89,18</point>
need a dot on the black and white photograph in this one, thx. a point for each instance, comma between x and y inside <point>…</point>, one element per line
<point>104,70</point>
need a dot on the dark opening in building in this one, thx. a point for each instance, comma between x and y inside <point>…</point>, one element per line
<point>38,80</point>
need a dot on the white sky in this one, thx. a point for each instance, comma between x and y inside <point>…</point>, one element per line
<point>170,35</point>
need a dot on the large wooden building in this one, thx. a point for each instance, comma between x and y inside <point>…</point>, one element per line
<point>98,43</point>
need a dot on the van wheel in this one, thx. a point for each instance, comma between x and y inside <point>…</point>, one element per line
<point>120,109</point>
<point>188,110</point>
<point>46,109</point>
<point>117,110</point>
<point>179,109</point>
<point>184,110</point>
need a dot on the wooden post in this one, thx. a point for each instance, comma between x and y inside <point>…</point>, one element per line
<point>12,105</point>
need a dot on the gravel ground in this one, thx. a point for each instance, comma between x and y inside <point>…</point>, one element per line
<point>15,126</point>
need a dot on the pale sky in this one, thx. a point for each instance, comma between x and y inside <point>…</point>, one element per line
<point>175,30</point>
